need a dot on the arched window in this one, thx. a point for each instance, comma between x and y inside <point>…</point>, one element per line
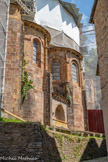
<point>74,72</point>
<point>35,49</point>
<point>37,52</point>
<point>56,71</point>
<point>59,113</point>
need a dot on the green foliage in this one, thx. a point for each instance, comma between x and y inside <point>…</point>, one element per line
<point>69,138</point>
<point>10,120</point>
<point>60,138</point>
<point>69,100</point>
<point>79,134</point>
<point>64,157</point>
<point>23,66</point>
<point>77,149</point>
<point>27,84</point>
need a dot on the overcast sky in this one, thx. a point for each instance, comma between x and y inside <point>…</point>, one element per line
<point>85,7</point>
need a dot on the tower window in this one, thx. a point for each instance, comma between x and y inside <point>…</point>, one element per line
<point>74,72</point>
<point>35,48</point>
<point>56,71</point>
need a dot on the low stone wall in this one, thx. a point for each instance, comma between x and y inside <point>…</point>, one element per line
<point>31,142</point>
<point>21,142</point>
<point>103,159</point>
<point>61,147</point>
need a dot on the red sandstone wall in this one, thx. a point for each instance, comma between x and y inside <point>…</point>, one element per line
<point>101,26</point>
<point>12,90</point>
<point>33,107</point>
<point>38,103</point>
<point>65,59</point>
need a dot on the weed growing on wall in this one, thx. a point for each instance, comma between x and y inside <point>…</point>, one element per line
<point>69,100</point>
<point>27,84</point>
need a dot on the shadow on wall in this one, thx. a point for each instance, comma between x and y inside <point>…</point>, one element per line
<point>51,153</point>
<point>93,150</point>
<point>68,20</point>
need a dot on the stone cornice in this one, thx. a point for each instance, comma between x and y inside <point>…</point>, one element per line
<point>38,27</point>
<point>68,50</point>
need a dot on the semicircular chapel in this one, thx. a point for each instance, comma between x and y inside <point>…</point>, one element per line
<point>46,49</point>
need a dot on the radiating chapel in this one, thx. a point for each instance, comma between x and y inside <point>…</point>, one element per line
<point>45,34</point>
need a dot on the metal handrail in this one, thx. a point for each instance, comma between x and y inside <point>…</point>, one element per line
<point>13,115</point>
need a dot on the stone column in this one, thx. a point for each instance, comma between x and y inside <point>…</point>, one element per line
<point>81,75</point>
<point>67,71</point>
<point>47,98</point>
<point>45,54</point>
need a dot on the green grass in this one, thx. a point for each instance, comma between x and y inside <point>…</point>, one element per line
<point>59,137</point>
<point>10,120</point>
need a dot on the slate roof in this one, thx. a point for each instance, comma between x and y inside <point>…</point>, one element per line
<point>71,8</point>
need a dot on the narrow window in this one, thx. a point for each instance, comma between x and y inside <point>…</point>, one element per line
<point>56,71</point>
<point>35,48</point>
<point>74,73</point>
